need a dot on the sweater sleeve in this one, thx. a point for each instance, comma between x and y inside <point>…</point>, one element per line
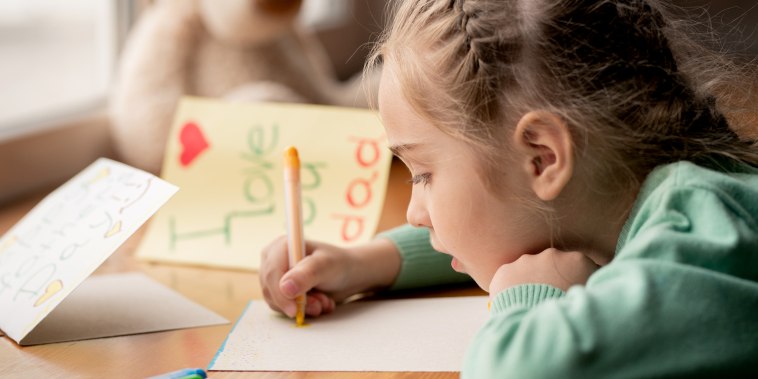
<point>679,300</point>
<point>422,266</point>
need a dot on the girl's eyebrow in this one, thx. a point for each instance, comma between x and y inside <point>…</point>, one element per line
<point>399,149</point>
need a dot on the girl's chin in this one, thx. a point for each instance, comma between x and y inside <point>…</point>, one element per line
<point>457,266</point>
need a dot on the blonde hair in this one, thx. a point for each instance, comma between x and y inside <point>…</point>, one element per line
<point>634,90</point>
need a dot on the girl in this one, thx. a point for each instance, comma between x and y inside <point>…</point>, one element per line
<point>572,159</point>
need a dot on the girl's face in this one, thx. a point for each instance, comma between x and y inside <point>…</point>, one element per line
<point>480,230</point>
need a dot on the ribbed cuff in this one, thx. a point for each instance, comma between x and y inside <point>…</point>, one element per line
<point>525,295</point>
<point>422,266</point>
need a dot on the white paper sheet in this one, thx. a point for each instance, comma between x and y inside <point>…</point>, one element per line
<point>427,335</point>
<point>119,304</point>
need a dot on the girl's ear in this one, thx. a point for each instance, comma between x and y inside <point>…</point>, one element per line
<point>547,152</point>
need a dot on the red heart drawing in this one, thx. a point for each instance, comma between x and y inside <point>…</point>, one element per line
<point>193,143</point>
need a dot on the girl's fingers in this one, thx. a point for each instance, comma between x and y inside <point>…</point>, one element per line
<point>274,263</point>
<point>313,307</point>
<point>312,271</point>
<point>326,304</point>
<point>319,269</point>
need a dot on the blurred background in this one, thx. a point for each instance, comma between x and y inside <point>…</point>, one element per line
<point>58,60</point>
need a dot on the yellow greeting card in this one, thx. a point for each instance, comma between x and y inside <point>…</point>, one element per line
<point>228,160</point>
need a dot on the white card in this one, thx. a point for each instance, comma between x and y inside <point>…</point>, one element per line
<point>60,242</point>
<point>119,304</point>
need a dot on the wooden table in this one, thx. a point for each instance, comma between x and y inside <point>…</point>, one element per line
<point>226,292</point>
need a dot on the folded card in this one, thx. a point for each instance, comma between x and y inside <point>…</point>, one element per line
<point>119,304</point>
<point>60,242</point>
<point>228,159</point>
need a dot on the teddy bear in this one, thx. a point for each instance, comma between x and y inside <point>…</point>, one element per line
<point>238,50</point>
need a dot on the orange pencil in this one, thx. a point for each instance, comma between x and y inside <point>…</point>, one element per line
<point>294,208</point>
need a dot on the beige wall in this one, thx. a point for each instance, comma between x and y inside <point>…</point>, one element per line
<point>41,161</point>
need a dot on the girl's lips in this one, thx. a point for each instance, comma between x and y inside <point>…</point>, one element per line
<point>435,245</point>
<point>457,266</point>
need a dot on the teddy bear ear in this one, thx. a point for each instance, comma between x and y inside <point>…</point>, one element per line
<point>278,7</point>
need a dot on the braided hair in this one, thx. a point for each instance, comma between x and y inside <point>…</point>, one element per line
<point>619,73</point>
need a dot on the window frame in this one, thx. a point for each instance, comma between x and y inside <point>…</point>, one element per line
<point>121,14</point>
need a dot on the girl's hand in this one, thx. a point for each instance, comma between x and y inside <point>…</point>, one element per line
<point>328,274</point>
<point>561,269</point>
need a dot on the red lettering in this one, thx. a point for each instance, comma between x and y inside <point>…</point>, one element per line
<point>361,153</point>
<point>352,227</point>
<point>353,192</point>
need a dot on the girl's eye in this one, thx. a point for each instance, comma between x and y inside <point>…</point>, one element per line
<point>421,178</point>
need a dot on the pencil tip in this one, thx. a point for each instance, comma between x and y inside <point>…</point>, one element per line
<point>291,157</point>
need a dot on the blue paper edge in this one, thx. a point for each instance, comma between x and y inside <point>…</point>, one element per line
<point>223,345</point>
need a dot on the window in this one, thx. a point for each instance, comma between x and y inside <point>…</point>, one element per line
<point>57,59</point>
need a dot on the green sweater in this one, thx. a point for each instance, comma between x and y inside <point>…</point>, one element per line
<point>680,298</point>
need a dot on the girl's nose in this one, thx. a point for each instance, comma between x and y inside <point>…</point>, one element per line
<point>417,214</point>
